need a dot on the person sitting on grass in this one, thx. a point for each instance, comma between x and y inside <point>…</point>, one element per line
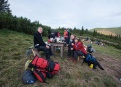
<point>78,48</point>
<point>40,44</point>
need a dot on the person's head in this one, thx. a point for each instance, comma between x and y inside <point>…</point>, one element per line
<point>65,30</point>
<point>77,40</point>
<point>72,37</point>
<point>40,29</point>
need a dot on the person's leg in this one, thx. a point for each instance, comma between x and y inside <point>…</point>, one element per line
<point>50,51</point>
<point>75,54</point>
<point>69,50</point>
<point>46,51</point>
<point>66,40</point>
<point>80,53</point>
<point>72,53</point>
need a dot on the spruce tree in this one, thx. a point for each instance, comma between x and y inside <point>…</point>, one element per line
<point>4,6</point>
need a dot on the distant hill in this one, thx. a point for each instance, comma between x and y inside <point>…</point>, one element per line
<point>108,31</point>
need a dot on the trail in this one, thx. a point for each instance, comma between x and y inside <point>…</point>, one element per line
<point>111,65</point>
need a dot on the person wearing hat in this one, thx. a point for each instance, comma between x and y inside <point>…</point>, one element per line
<point>78,48</point>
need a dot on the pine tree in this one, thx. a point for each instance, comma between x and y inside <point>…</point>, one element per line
<point>94,33</point>
<point>82,31</point>
<point>4,6</point>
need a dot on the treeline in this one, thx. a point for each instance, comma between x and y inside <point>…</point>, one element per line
<point>75,31</point>
<point>20,24</point>
<point>113,39</point>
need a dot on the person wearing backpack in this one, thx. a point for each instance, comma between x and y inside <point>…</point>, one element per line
<point>78,48</point>
<point>40,44</point>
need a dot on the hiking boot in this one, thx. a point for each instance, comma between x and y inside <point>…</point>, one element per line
<point>70,58</point>
<point>75,61</point>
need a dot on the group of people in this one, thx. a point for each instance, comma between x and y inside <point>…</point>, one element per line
<point>75,45</point>
<point>76,48</point>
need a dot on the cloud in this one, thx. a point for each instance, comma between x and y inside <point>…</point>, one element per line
<point>69,13</point>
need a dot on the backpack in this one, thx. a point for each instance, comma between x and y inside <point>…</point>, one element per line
<point>89,48</point>
<point>53,70</point>
<point>41,76</point>
<point>53,66</point>
<point>28,77</point>
<point>89,57</point>
<point>42,65</point>
<point>38,63</point>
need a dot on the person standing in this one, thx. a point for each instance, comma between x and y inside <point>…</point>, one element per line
<point>40,44</point>
<point>66,36</point>
<point>69,35</point>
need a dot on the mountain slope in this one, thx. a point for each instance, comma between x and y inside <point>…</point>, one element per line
<point>13,46</point>
<point>108,31</point>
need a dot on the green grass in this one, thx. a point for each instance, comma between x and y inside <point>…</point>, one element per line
<point>112,51</point>
<point>13,46</point>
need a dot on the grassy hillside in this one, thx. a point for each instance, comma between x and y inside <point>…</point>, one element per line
<point>108,31</point>
<point>13,46</point>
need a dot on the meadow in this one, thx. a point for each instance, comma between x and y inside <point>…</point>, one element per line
<point>13,46</point>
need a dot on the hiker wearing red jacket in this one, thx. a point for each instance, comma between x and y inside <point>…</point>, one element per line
<point>78,49</point>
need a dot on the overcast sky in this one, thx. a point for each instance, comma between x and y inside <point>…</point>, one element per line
<point>70,13</point>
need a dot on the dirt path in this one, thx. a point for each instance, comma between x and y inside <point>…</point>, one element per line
<point>111,65</point>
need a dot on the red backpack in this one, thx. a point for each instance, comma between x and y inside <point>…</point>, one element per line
<point>39,63</point>
<point>54,71</point>
<point>43,68</point>
<point>42,63</point>
<point>41,76</point>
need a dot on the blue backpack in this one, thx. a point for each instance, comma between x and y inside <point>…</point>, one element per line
<point>28,77</point>
<point>89,57</point>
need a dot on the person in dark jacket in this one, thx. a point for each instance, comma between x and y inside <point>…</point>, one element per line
<point>69,36</point>
<point>51,35</point>
<point>71,52</point>
<point>40,44</point>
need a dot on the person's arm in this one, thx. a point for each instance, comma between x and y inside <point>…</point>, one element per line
<point>77,47</point>
<point>82,49</point>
